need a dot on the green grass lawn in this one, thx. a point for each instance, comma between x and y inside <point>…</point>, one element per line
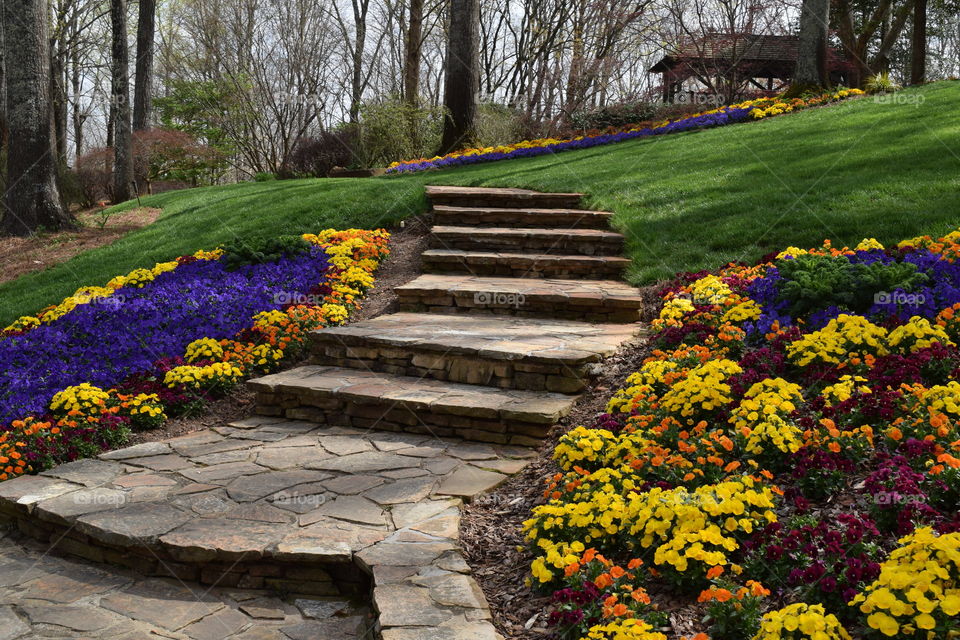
<point>686,202</point>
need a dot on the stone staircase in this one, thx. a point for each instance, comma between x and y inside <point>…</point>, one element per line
<point>254,528</point>
<point>520,301</point>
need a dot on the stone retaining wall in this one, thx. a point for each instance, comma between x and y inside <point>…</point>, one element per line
<point>390,415</point>
<point>267,572</point>
<point>505,374</point>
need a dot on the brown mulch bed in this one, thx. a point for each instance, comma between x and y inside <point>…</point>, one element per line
<point>19,256</point>
<point>400,267</point>
<point>490,529</point>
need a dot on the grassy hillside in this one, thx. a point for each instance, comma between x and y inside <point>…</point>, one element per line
<point>686,202</point>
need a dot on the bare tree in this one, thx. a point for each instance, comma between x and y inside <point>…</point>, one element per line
<point>143,82</point>
<point>120,103</point>
<point>868,39</point>
<point>32,200</point>
<point>461,75</point>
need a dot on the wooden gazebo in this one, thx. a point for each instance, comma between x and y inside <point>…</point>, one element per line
<point>752,61</point>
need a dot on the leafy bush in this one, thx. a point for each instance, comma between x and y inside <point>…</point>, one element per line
<point>393,129</point>
<point>813,283</point>
<point>264,176</point>
<point>168,154</point>
<point>615,115</point>
<point>261,251</point>
<point>498,124</point>
<point>315,156</point>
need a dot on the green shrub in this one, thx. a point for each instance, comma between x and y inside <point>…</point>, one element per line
<point>615,115</point>
<point>264,176</point>
<point>813,283</point>
<point>394,130</point>
<point>261,250</point>
<point>498,124</point>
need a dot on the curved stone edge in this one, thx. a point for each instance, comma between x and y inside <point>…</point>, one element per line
<point>420,583</point>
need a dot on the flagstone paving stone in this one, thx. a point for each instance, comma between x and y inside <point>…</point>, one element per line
<point>372,501</point>
<point>42,595</point>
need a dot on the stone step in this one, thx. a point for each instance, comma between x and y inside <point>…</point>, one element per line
<point>585,242</point>
<point>382,401</point>
<point>501,198</point>
<point>523,265</point>
<point>529,218</point>
<point>500,351</point>
<point>584,300</point>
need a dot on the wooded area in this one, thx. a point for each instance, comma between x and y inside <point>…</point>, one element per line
<point>225,90</point>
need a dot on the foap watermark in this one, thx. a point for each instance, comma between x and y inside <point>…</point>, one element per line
<point>901,298</point>
<point>897,98</point>
<point>697,97</point>
<point>100,498</point>
<point>499,299</point>
<point>111,302</point>
<point>295,297</point>
<point>309,500</point>
<point>890,497</point>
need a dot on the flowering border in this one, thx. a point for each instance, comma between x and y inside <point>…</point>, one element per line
<point>84,419</point>
<point>710,457</point>
<point>731,114</point>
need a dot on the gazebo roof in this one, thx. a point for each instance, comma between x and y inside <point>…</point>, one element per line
<point>745,48</point>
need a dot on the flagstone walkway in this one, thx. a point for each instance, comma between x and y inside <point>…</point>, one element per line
<point>347,484</point>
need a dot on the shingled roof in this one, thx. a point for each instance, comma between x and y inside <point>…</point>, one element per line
<point>735,47</point>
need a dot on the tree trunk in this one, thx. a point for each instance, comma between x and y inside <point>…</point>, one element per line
<point>462,75</point>
<point>143,82</point>
<point>78,115</point>
<point>120,90</point>
<point>812,49</point>
<point>918,53</point>
<point>360,8</point>
<point>58,105</point>
<point>411,63</point>
<point>32,200</point>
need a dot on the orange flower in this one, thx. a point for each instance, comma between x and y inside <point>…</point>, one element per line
<point>833,446</point>
<point>714,572</point>
<point>588,555</point>
<point>620,610</point>
<point>633,564</point>
<point>571,569</point>
<point>603,581</point>
<point>640,595</point>
<point>733,466</point>
<point>949,460</point>
<point>722,595</point>
<point>610,601</point>
<point>617,572</point>
<point>757,589</point>
<point>895,434</point>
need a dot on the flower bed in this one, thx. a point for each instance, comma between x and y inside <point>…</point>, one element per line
<point>788,455</point>
<point>741,112</point>
<point>157,342</point>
